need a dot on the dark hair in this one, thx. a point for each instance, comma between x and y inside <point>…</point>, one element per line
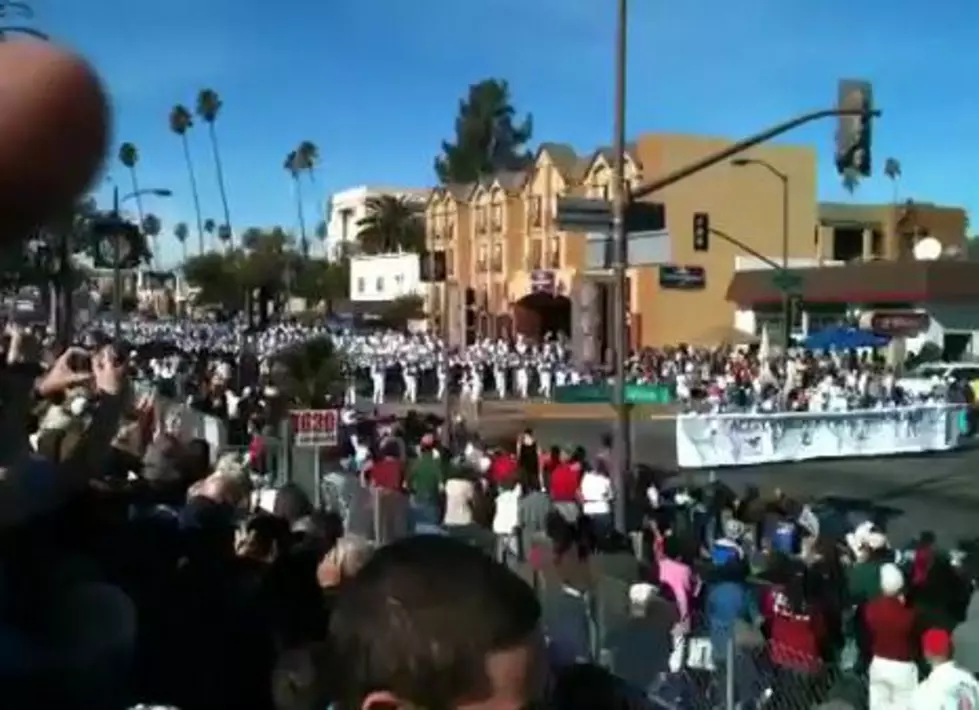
<point>269,533</point>
<point>419,620</point>
<point>565,536</point>
<point>291,503</point>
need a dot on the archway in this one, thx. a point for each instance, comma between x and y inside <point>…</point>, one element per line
<point>537,314</point>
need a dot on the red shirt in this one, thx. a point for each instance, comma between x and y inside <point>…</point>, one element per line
<point>565,479</point>
<point>388,473</point>
<point>890,623</point>
<point>503,468</point>
<point>796,640</point>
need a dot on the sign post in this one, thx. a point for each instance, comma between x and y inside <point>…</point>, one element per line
<point>315,429</point>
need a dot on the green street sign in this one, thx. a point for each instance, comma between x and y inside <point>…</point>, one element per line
<point>787,281</point>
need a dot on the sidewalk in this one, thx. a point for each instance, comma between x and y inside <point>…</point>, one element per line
<point>600,411</point>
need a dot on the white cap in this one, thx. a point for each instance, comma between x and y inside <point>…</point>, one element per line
<point>891,580</point>
<point>641,593</point>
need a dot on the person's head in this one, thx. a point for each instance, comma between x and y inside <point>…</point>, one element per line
<point>347,556</point>
<point>291,503</point>
<point>196,460</point>
<point>891,580</point>
<point>262,538</point>
<point>641,596</point>
<point>431,622</point>
<point>936,646</point>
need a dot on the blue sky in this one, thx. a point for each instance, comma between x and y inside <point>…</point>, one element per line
<point>375,83</point>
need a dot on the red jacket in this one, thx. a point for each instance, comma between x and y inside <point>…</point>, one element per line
<point>890,624</point>
<point>796,640</point>
<point>565,479</point>
<point>388,473</point>
<point>503,469</point>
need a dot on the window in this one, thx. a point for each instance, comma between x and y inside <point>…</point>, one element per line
<point>399,283</point>
<point>449,230</point>
<point>481,220</point>
<point>496,304</point>
<point>606,192</point>
<point>497,263</point>
<point>497,217</point>
<point>379,284</point>
<point>536,215</point>
<point>554,254</point>
<point>481,258</point>
<point>361,285</point>
<point>536,254</point>
<point>450,263</point>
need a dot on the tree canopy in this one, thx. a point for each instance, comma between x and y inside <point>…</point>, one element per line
<point>309,374</point>
<point>488,136</point>
<point>267,261</point>
<point>390,224</point>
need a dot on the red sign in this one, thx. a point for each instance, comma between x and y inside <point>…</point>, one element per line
<point>899,323</point>
<point>314,427</point>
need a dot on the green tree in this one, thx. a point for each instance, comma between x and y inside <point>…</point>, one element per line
<point>219,278</point>
<point>310,374</point>
<point>322,281</point>
<point>181,121</point>
<point>390,224</point>
<point>129,157</point>
<point>309,157</point>
<point>488,137</point>
<point>294,165</point>
<point>181,233</point>
<point>210,229</point>
<point>321,233</point>
<point>151,229</point>
<point>209,106</point>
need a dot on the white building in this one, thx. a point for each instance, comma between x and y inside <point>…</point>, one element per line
<point>385,277</point>
<point>347,207</point>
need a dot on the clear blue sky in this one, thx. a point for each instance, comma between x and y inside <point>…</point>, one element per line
<point>375,83</point>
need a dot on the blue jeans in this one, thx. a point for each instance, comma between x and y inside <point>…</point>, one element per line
<point>424,516</point>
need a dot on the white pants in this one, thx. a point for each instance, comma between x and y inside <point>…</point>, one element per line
<point>892,684</point>
<point>378,394</point>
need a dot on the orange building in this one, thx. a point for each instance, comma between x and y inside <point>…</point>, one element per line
<point>502,239</point>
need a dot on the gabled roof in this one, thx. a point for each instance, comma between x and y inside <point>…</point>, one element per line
<point>607,154</point>
<point>510,181</point>
<point>458,191</point>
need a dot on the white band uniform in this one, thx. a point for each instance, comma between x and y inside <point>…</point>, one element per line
<point>715,440</point>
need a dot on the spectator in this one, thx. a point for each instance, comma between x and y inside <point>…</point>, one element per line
<point>506,520</point>
<point>534,507</point>
<point>596,499</point>
<point>678,578</point>
<point>460,495</point>
<point>430,622</point>
<point>890,624</point>
<point>564,487</point>
<point>798,638</point>
<point>424,482</point>
<point>948,686</point>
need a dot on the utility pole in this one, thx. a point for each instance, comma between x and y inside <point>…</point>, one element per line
<point>622,446</point>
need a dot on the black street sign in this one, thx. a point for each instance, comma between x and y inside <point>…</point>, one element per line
<point>682,277</point>
<point>580,214</point>
<point>645,217</point>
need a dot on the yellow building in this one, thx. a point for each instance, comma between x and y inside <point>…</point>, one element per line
<point>502,238</point>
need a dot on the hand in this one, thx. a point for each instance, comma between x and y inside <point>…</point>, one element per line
<point>61,377</point>
<point>108,375</point>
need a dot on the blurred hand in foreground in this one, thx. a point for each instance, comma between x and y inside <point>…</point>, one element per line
<point>61,376</point>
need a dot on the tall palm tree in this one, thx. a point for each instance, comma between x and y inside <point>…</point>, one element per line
<point>129,157</point>
<point>210,227</point>
<point>892,171</point>
<point>181,121</point>
<point>224,236</point>
<point>180,233</point>
<point>309,158</point>
<point>151,229</point>
<point>208,108</point>
<point>391,224</point>
<point>294,165</point>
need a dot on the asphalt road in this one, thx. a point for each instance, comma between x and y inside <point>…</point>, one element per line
<point>937,491</point>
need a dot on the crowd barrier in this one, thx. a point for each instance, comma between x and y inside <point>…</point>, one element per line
<point>598,393</point>
<point>716,440</point>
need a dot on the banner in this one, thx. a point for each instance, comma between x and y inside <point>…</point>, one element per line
<point>715,440</point>
<point>592,393</point>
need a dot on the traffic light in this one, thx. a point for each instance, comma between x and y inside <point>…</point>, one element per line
<point>853,133</point>
<point>431,267</point>
<point>471,314</point>
<point>701,231</point>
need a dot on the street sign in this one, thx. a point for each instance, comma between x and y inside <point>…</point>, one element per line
<point>649,248</point>
<point>580,214</point>
<point>314,427</point>
<point>787,281</point>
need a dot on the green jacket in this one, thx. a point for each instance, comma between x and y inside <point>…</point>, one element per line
<point>425,478</point>
<point>863,582</point>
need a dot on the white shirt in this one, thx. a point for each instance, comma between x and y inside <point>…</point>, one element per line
<point>596,494</point>
<point>948,687</point>
<point>507,516</point>
<point>459,495</point>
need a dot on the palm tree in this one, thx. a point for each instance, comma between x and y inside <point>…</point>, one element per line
<point>151,228</point>
<point>129,157</point>
<point>181,121</point>
<point>322,232</point>
<point>224,236</point>
<point>180,233</point>
<point>391,224</point>
<point>208,107</point>
<point>892,171</point>
<point>309,157</point>
<point>210,227</point>
<point>294,166</point>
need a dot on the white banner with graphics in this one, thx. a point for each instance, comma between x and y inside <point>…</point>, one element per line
<point>714,440</point>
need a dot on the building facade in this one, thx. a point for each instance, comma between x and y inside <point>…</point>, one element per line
<point>503,242</point>
<point>346,208</point>
<point>385,277</point>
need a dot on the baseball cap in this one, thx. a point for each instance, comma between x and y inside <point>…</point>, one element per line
<point>936,642</point>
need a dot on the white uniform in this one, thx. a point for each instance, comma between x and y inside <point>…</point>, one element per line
<point>947,687</point>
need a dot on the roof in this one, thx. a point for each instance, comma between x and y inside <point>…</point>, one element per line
<point>865,282</point>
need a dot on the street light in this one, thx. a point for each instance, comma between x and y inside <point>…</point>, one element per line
<point>784,179</point>
<point>117,248</point>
